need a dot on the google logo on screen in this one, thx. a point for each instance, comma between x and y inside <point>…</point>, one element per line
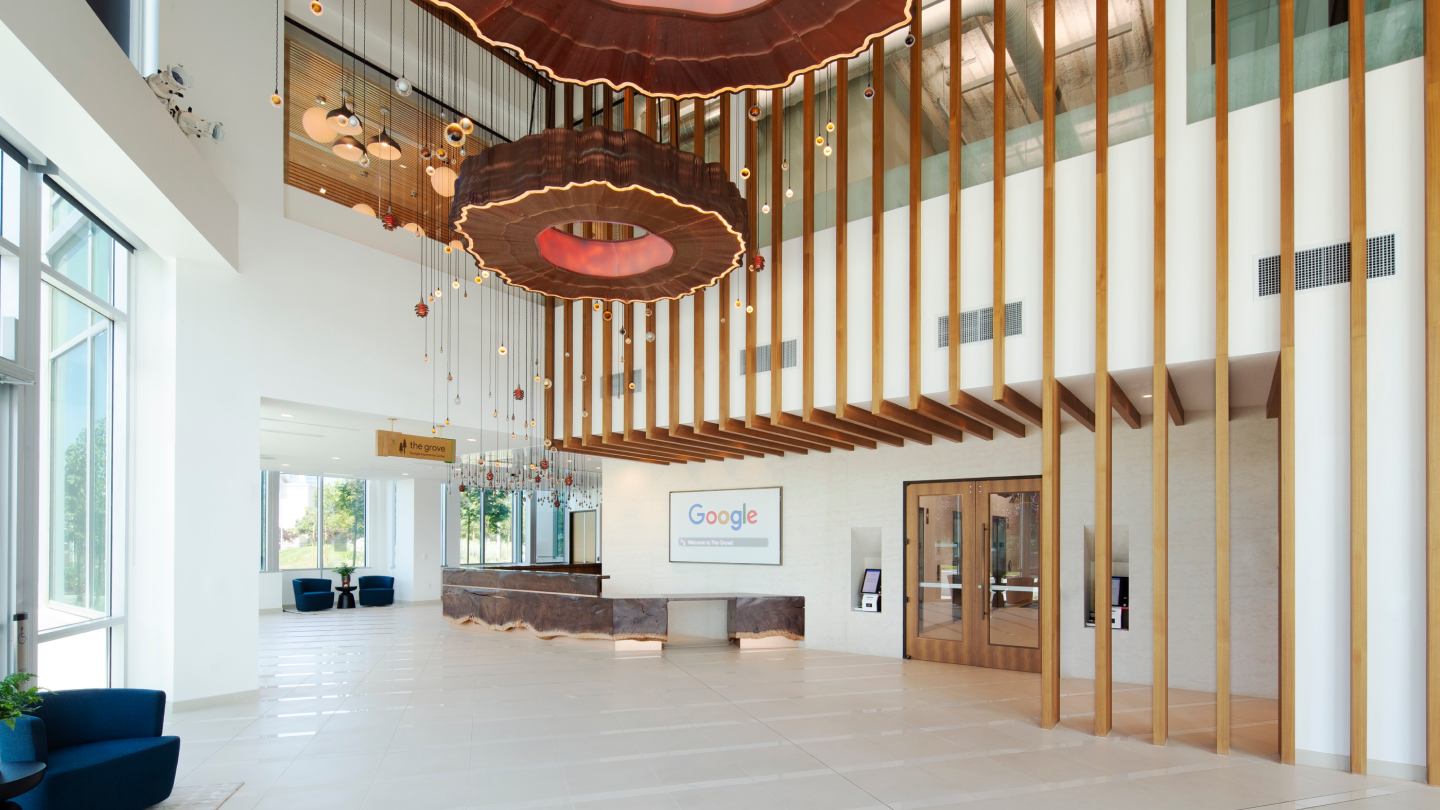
<point>734,519</point>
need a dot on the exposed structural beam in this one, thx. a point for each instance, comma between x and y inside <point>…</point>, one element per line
<point>1104,384</point>
<point>1021,406</point>
<point>1432,397</point>
<point>1173,405</point>
<point>1359,558</point>
<point>1287,381</point>
<point>1079,411</point>
<point>1049,398</point>
<point>1272,402</point>
<point>1123,406</point>
<point>1161,387</point>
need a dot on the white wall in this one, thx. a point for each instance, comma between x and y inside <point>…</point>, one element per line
<point>417,541</point>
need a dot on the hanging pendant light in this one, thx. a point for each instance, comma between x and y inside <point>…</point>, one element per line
<point>384,147</point>
<point>343,120</point>
<point>347,147</point>
<point>315,124</point>
<point>443,181</point>
<point>364,209</point>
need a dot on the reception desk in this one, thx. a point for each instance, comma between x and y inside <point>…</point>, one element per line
<point>556,603</point>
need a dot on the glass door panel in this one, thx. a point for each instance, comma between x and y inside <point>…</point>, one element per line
<point>1013,579</point>
<point>939,527</point>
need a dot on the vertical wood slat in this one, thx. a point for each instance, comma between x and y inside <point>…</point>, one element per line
<point>626,389</point>
<point>877,227</point>
<point>997,168</point>
<point>956,58</point>
<point>752,196</point>
<point>807,237</point>
<point>1104,417</point>
<point>1050,405</point>
<point>607,120</point>
<point>1359,386</point>
<point>1432,395</point>
<point>917,77</point>
<point>652,128</point>
<point>1160,420</point>
<point>726,100</point>
<point>698,299</point>
<point>842,235</point>
<point>586,369</point>
<point>607,371</point>
<point>1222,376</point>
<point>672,418</point>
<point>777,252</point>
<point>569,369</point>
<point>587,110</point>
<point>550,431</point>
<point>1287,381</point>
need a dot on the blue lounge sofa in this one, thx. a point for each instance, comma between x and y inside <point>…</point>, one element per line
<point>313,594</point>
<point>102,748</point>
<point>377,591</point>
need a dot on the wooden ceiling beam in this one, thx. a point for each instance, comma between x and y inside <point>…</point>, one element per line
<point>987,413</point>
<point>914,419</point>
<point>1122,404</point>
<point>1172,401</point>
<point>1020,406</point>
<point>947,415</point>
<point>866,418</point>
<point>756,441</point>
<point>1079,411</point>
<point>826,419</point>
<point>786,440</point>
<point>794,422</point>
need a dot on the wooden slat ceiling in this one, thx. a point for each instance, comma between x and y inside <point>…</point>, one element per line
<point>313,70</point>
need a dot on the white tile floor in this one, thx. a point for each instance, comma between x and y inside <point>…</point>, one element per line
<point>394,708</point>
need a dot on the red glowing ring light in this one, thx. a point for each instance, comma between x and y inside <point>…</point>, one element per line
<point>681,48</point>
<point>513,199</point>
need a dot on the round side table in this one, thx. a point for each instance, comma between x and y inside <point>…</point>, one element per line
<point>17,778</point>
<point>347,597</point>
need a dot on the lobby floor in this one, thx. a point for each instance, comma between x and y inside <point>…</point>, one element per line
<point>394,708</point>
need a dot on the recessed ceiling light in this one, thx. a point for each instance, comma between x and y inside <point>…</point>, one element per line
<point>404,473</point>
<point>322,189</point>
<point>284,465</point>
<point>469,440</point>
<point>288,415</point>
<point>1144,396</point>
<point>334,458</point>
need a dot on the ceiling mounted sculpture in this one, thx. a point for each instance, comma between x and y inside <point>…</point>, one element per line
<point>682,48</point>
<point>513,200</point>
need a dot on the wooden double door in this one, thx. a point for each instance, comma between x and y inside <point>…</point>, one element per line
<point>972,573</point>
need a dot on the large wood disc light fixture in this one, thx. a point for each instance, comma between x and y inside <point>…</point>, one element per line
<point>682,48</point>
<point>513,200</point>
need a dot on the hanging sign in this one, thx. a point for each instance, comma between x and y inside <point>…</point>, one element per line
<point>403,445</point>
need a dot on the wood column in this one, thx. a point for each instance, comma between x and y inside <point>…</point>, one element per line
<point>1222,376</point>
<point>1050,394</point>
<point>1160,420</point>
<point>1359,639</point>
<point>777,252</point>
<point>956,57</point>
<point>916,116</point>
<point>1287,381</point>
<point>697,301</point>
<point>842,235</point>
<point>725,309</point>
<point>569,370</point>
<point>877,227</point>
<point>807,240</point>
<point>587,369</point>
<point>752,195</point>
<point>997,170</point>
<point>550,303</point>
<point>1432,395</point>
<point>1104,418</point>
<point>607,370</point>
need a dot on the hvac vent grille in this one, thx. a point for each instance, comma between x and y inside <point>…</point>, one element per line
<point>617,382</point>
<point>979,324</point>
<point>762,357</point>
<point>1328,265</point>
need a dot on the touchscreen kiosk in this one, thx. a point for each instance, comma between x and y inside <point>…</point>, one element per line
<point>870,590</point>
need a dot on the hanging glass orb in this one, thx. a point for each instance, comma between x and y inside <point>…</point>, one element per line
<point>402,86</point>
<point>454,134</point>
<point>595,306</point>
<point>827,150</point>
<point>829,126</point>
<point>765,209</point>
<point>316,8</point>
<point>749,309</point>
<point>275,100</point>
<point>789,192</point>
<point>649,337</point>
<point>466,125</point>
<point>440,153</point>
<point>819,140</point>
<point>585,414</point>
<point>785,165</point>
<point>869,92</point>
<point>502,348</point>
<point>478,279</point>
<point>909,40</point>
<point>484,273</point>
<point>430,170</point>
<point>456,283</point>
<point>547,382</point>
<point>754,112</point>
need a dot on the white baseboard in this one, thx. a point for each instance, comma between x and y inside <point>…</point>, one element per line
<point>264,611</point>
<point>211,702</point>
<point>1375,767</point>
<point>422,602</point>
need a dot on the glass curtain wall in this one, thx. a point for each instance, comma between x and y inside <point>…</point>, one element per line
<point>322,522</point>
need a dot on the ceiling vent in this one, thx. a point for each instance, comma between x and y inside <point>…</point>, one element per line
<point>1328,265</point>
<point>762,357</point>
<point>979,324</point>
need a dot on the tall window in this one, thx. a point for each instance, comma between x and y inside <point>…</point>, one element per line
<point>84,266</point>
<point>472,526</point>
<point>499,527</point>
<point>321,521</point>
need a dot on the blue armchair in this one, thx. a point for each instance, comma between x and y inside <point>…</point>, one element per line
<point>313,594</point>
<point>102,748</point>
<point>377,591</point>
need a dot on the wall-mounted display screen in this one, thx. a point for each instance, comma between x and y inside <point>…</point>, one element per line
<point>739,526</point>
<point>871,582</point>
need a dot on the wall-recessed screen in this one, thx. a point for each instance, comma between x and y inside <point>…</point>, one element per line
<point>871,583</point>
<point>726,526</point>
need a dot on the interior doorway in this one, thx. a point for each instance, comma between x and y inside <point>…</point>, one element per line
<point>584,547</point>
<point>972,572</point>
